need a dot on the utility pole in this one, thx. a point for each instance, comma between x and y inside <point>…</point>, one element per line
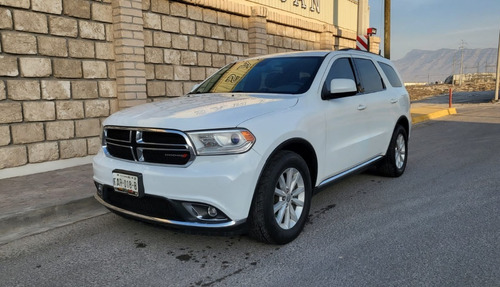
<point>498,70</point>
<point>461,63</point>
<point>387,29</point>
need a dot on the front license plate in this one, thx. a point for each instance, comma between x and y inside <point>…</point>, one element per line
<point>126,183</point>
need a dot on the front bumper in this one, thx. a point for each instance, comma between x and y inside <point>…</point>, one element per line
<point>224,182</point>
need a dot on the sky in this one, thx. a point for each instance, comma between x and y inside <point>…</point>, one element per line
<point>437,24</point>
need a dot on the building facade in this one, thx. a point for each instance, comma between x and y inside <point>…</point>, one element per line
<point>65,65</point>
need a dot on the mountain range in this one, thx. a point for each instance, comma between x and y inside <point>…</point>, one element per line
<point>435,66</point>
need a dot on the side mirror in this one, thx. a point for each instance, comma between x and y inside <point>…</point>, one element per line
<point>340,88</point>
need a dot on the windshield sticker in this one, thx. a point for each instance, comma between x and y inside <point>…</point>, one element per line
<point>233,76</point>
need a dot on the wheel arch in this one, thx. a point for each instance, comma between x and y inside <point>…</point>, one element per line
<point>405,123</point>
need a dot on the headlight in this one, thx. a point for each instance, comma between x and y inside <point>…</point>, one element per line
<point>222,141</point>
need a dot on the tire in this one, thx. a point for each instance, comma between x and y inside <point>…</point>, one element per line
<point>282,199</point>
<point>394,162</point>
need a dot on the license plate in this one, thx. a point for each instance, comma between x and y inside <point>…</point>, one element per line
<point>126,183</point>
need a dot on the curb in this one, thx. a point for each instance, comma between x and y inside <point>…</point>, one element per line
<point>29,222</point>
<point>419,115</point>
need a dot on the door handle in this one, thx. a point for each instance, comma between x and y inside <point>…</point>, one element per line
<point>361,107</point>
<point>393,101</point>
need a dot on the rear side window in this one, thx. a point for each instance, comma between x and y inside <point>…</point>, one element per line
<point>369,77</point>
<point>391,75</point>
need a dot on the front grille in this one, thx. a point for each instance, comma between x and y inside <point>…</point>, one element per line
<point>153,206</point>
<point>148,145</point>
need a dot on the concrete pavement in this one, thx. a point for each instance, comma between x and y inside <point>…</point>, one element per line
<point>34,203</point>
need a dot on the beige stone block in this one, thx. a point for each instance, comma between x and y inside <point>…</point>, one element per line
<point>107,89</point>
<point>73,148</point>
<point>18,43</point>
<point>174,89</point>
<point>94,69</point>
<point>182,73</point>
<point>67,110</point>
<point>96,108</point>
<point>211,71</point>
<point>162,39</point>
<point>209,16</point>
<point>59,130</point>
<point>151,20</point>
<point>12,156</point>
<point>102,12</point>
<point>198,74</point>
<point>153,55</point>
<point>56,90</point>
<point>231,34</point>
<point>203,29</point>
<point>81,48</point>
<point>84,89</point>
<point>210,45</point>
<point>67,68</point>
<point>223,19</point>
<point>92,30</point>
<point>155,88</point>
<point>237,49</point>
<point>8,66</point>
<point>187,27</point>
<point>41,152</point>
<point>39,111</point>
<point>204,59</point>
<point>146,4</point>
<point>4,135</point>
<point>48,6</point>
<point>52,46</point>
<point>35,67</point>
<point>148,38</point>
<point>93,145</point>
<point>10,112</point>
<point>16,3</point>
<point>77,8</point>
<point>195,43</point>
<point>170,24</point>
<point>21,90</point>
<point>188,87</point>
<point>195,12</point>
<point>178,9</point>
<point>218,61</point>
<point>109,32</point>
<point>180,42</point>
<point>87,128</point>
<point>217,32</point>
<point>113,106</point>
<point>30,22</point>
<point>188,58</point>
<point>111,70</point>
<point>243,36</point>
<point>104,51</point>
<point>164,72</point>
<point>5,19</point>
<point>150,71</point>
<point>224,47</point>
<point>160,6</point>
<point>172,57</point>
<point>27,133</point>
<point>231,59</point>
<point>236,21</point>
<point>61,26</point>
<point>3,94</point>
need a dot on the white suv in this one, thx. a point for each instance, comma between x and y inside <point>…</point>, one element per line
<point>246,148</point>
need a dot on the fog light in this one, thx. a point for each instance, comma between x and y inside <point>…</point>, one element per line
<point>100,188</point>
<point>212,211</point>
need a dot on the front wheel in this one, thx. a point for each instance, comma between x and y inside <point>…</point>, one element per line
<point>394,162</point>
<point>282,199</point>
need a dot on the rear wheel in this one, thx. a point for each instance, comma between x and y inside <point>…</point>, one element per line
<point>282,199</point>
<point>394,162</point>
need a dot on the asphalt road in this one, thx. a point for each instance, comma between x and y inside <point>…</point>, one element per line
<point>437,225</point>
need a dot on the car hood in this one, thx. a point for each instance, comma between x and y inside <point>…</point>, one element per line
<point>197,112</point>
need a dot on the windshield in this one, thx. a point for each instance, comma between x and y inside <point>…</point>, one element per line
<point>282,75</point>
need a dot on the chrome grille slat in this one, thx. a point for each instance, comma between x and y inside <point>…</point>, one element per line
<point>166,147</point>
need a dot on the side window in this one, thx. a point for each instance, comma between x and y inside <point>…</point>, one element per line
<point>341,69</point>
<point>391,75</point>
<point>368,75</point>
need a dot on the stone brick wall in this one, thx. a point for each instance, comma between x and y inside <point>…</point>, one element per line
<point>56,78</point>
<point>65,65</point>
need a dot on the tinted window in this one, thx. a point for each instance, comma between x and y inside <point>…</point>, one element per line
<point>282,75</point>
<point>391,75</point>
<point>341,69</point>
<point>369,77</point>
